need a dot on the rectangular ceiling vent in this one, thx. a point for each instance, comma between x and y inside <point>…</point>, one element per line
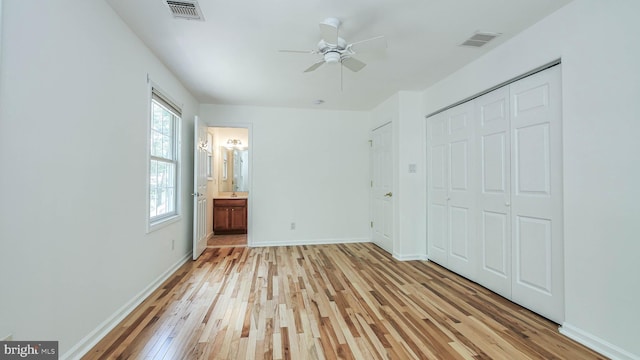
<point>479,39</point>
<point>185,9</point>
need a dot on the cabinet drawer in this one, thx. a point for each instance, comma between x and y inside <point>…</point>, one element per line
<point>229,202</point>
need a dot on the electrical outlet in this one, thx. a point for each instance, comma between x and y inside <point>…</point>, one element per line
<point>293,226</point>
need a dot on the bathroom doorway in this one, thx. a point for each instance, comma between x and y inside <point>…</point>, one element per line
<point>229,177</point>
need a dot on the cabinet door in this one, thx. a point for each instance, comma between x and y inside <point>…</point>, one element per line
<point>221,218</point>
<point>238,219</point>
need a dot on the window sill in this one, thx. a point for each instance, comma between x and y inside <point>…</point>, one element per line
<point>159,224</point>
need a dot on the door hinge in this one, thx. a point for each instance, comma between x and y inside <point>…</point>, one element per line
<point>372,224</point>
<point>370,143</point>
<point>371,183</point>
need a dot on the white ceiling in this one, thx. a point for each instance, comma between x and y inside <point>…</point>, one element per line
<point>232,57</point>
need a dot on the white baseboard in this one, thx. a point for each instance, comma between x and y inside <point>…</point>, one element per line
<point>410,257</point>
<point>89,341</point>
<point>596,344</point>
<point>308,242</point>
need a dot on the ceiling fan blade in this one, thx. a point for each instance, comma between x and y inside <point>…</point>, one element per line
<point>353,64</point>
<point>374,44</point>
<point>315,66</point>
<point>299,51</point>
<point>329,32</point>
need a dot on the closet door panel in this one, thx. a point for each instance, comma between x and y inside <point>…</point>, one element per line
<point>438,229</point>
<point>495,243</point>
<point>438,175</point>
<point>533,244</point>
<point>461,193</point>
<point>532,161</point>
<point>494,216</point>
<point>536,135</point>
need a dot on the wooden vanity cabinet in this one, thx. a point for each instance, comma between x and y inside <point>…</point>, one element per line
<point>229,216</point>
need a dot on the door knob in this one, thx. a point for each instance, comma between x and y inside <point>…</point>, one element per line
<point>389,194</point>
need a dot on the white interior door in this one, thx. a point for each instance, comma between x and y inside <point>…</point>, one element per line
<point>200,159</point>
<point>382,187</point>
<point>461,197</point>
<point>537,224</point>
<point>494,196</point>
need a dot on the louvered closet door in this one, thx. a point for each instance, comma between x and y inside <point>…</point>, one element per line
<point>438,158</point>
<point>462,191</point>
<point>537,224</point>
<point>494,195</point>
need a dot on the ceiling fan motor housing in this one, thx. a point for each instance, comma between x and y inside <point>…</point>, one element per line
<point>324,47</point>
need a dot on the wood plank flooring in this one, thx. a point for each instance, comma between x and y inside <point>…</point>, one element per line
<point>350,301</point>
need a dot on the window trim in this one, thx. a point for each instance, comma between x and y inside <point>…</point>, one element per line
<point>161,221</point>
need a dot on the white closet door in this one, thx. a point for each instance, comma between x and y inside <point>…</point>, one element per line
<point>438,158</point>
<point>462,190</point>
<point>494,195</point>
<point>538,274</point>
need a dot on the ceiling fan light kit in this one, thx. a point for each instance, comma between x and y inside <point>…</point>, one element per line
<point>332,57</point>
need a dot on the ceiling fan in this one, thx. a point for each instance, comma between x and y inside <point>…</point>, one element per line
<point>335,50</point>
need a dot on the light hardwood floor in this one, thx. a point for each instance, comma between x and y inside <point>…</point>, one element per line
<point>350,301</point>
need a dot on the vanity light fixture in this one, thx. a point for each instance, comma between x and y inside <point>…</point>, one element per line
<point>234,143</point>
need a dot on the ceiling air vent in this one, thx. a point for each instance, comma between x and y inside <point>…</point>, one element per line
<point>186,9</point>
<point>479,39</point>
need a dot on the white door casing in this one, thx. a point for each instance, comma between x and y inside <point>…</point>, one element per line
<point>382,187</point>
<point>494,195</point>
<point>536,200</point>
<point>200,159</point>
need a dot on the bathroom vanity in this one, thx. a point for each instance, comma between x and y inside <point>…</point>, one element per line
<point>230,216</point>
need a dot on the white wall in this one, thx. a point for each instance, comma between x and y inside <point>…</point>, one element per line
<point>310,167</point>
<point>597,41</point>
<point>73,145</point>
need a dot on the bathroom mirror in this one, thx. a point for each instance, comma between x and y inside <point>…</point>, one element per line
<point>234,170</point>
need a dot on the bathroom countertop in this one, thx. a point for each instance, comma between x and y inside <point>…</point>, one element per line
<point>231,197</point>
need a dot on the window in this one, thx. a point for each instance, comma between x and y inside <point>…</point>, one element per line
<point>163,158</point>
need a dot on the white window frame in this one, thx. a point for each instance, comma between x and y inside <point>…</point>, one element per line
<point>158,222</point>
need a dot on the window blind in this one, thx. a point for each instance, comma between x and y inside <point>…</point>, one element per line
<point>164,101</point>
